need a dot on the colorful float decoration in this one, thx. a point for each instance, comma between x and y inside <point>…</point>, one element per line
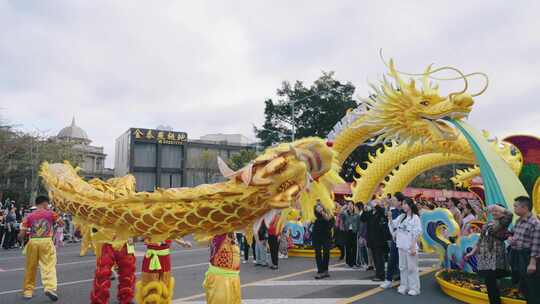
<point>417,130</point>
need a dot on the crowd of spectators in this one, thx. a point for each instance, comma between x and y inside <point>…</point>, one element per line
<point>11,218</point>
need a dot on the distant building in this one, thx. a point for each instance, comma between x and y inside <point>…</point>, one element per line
<point>93,164</point>
<point>228,138</point>
<point>168,159</point>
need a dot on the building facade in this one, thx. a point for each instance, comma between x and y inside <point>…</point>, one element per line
<point>93,157</point>
<point>168,159</point>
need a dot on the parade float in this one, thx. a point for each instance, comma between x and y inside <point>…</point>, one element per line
<point>417,129</point>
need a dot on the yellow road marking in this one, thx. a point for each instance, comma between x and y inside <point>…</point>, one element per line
<point>374,291</point>
<point>193,297</point>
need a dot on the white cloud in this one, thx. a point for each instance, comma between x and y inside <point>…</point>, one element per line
<point>206,67</point>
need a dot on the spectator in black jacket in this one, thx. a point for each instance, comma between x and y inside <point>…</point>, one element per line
<point>377,235</point>
<point>10,224</point>
<point>321,241</point>
<point>1,227</point>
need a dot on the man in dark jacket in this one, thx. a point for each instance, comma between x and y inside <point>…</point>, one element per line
<point>377,236</point>
<point>394,210</point>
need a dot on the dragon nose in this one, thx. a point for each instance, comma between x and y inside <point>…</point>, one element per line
<point>463,100</point>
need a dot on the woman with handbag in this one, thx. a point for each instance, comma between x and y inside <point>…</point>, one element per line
<point>490,250</point>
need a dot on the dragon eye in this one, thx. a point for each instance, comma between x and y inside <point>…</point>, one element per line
<point>425,103</point>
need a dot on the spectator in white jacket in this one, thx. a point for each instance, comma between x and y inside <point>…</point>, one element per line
<point>408,229</point>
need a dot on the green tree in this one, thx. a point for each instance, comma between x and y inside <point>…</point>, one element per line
<point>437,178</point>
<point>208,165</point>
<point>316,109</point>
<point>22,154</point>
<point>239,160</point>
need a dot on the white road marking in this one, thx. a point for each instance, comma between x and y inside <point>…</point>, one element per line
<point>277,301</point>
<point>22,256</point>
<point>64,253</point>
<point>61,264</point>
<point>90,280</point>
<point>317,283</point>
<point>332,269</point>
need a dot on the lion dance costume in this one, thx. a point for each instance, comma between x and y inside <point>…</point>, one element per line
<point>112,251</point>
<point>156,285</point>
<point>222,280</point>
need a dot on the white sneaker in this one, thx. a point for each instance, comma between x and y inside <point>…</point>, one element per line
<point>244,261</point>
<point>413,293</point>
<point>386,285</point>
<point>402,290</point>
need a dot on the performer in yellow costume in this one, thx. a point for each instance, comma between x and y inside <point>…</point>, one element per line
<point>222,280</point>
<point>40,249</point>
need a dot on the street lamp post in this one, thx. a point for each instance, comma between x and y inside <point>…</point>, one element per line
<point>293,121</point>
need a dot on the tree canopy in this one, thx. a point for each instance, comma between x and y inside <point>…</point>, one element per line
<point>21,155</point>
<point>317,109</point>
<point>239,160</point>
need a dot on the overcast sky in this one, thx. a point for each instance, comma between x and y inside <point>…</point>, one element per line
<point>207,66</point>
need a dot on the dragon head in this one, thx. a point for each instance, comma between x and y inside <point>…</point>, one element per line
<point>299,172</point>
<point>400,111</point>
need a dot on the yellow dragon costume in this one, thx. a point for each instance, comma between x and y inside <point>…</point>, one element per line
<point>301,171</point>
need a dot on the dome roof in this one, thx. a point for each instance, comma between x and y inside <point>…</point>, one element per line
<point>73,132</point>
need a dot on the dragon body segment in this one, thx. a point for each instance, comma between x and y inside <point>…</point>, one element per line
<point>404,174</point>
<point>282,175</point>
<point>383,163</point>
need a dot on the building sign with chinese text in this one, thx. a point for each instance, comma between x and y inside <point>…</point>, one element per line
<point>159,136</point>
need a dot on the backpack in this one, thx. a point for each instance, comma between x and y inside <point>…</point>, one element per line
<point>263,232</point>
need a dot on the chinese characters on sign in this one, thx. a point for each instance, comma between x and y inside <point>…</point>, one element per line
<point>160,137</point>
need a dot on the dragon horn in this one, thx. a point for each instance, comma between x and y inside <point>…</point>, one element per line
<point>225,170</point>
<point>247,173</point>
<point>425,80</point>
<point>395,74</point>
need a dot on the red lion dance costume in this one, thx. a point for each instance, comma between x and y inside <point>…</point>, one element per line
<point>112,252</point>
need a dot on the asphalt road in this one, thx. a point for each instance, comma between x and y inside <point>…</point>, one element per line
<point>293,283</point>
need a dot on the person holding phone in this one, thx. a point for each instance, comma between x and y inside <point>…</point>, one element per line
<point>377,236</point>
<point>321,240</point>
<point>392,269</point>
<point>490,250</point>
<point>408,229</point>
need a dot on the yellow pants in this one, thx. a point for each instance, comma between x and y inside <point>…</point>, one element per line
<point>222,289</point>
<point>40,251</point>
